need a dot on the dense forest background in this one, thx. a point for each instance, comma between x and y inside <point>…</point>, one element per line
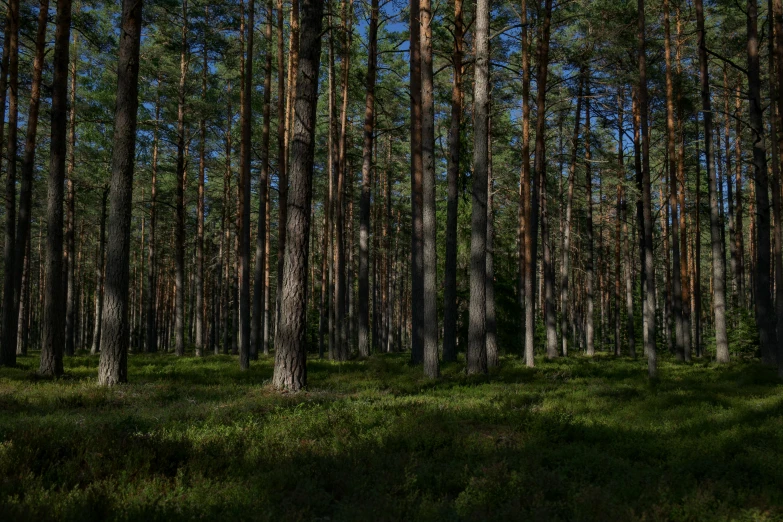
<point>625,159</point>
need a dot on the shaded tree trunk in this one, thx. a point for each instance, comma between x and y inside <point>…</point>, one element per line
<point>113,367</point>
<point>290,341</point>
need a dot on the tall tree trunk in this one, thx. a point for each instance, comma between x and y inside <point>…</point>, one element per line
<point>417,201</point>
<point>777,9</point>
<point>28,167</point>
<point>200,328</point>
<point>152,267</point>
<point>649,264</point>
<point>96,336</point>
<point>8,346</point>
<point>243,232</point>
<point>429,326</point>
<point>364,205</point>
<point>477,340</point>
<point>621,231</point>
<point>257,326</point>
<point>589,268</point>
<point>684,272</point>
<point>179,253</point>
<point>290,343</point>
<point>566,247</point>
<point>763,300</point>
<point>718,255</point>
<point>455,142</point>
<point>493,356</point>
<point>114,335</point>
<point>54,327</point>
<point>526,191</point>
<point>676,296</point>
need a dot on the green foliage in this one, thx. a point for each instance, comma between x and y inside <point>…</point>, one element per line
<point>574,439</point>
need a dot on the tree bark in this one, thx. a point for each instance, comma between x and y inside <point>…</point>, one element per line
<point>290,341</point>
<point>589,268</point>
<point>477,339</point>
<point>8,345</point>
<point>453,169</point>
<point>200,327</point>
<point>114,335</point>
<point>364,205</point>
<point>417,201</point>
<point>179,253</point>
<point>649,264</point>
<point>763,300</point>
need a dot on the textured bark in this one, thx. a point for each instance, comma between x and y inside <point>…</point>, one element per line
<point>290,341</point>
<point>777,47</point>
<point>70,261</point>
<point>620,244</point>
<point>54,326</point>
<point>8,345</point>
<point>364,205</point>
<point>417,230</point>
<point>676,295</point>
<point>99,274</point>
<point>566,247</point>
<point>243,230</point>
<point>429,326</point>
<point>179,239</point>
<point>453,169</point>
<point>528,237</point>
<point>152,267</point>
<point>113,367</point>
<point>257,325</point>
<point>588,261</point>
<point>477,341</point>
<point>198,275</point>
<point>493,355</point>
<point>716,224</point>
<point>649,266</point>
<point>765,318</point>
<point>21,262</point>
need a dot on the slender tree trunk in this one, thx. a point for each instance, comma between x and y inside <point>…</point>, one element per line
<point>621,230</point>
<point>114,333</point>
<point>763,300</point>
<point>257,326</point>
<point>21,263</point>
<point>198,276</point>
<point>589,268</point>
<point>676,296</point>
<point>493,356</point>
<point>777,9</point>
<point>99,274</point>
<point>566,247</point>
<point>8,346</point>
<point>477,340</point>
<point>528,235</point>
<point>455,142</point>
<point>649,264</point>
<point>417,201</point>
<point>179,253</point>
<point>290,343</point>
<point>718,263</point>
<point>54,327</point>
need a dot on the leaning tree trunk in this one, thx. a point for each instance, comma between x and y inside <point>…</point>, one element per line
<point>477,339</point>
<point>290,341</point>
<point>54,326</point>
<point>114,336</point>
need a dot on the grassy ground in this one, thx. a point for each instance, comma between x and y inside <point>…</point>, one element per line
<point>576,439</point>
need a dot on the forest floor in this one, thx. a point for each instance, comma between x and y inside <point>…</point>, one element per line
<point>572,439</point>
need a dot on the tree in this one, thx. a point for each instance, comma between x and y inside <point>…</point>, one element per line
<point>113,367</point>
<point>477,341</point>
<point>54,327</point>
<point>290,342</point>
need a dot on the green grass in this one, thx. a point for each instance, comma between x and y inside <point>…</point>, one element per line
<point>576,439</point>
